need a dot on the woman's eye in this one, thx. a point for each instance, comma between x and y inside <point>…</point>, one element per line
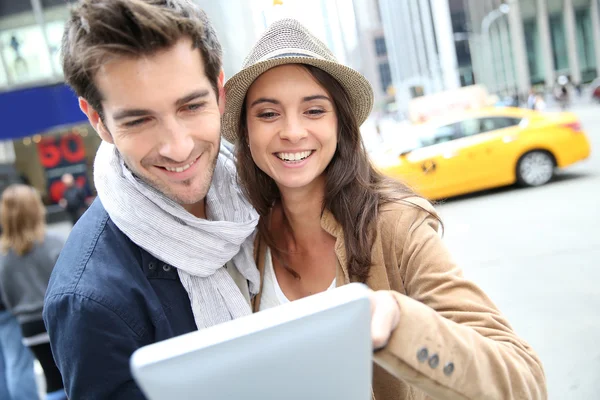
<point>315,112</point>
<point>267,115</point>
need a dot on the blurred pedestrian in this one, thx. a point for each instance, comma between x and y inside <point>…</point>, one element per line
<point>562,92</point>
<point>20,64</point>
<point>531,99</point>
<point>539,103</point>
<point>328,218</point>
<point>28,257</point>
<point>73,199</point>
<point>17,380</point>
<point>516,100</point>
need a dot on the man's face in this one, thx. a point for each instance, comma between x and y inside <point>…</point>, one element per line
<point>162,114</point>
<point>68,180</point>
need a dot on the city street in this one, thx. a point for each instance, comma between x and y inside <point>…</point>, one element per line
<point>536,252</point>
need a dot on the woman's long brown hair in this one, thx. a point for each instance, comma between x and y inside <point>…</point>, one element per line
<point>23,219</point>
<point>354,190</point>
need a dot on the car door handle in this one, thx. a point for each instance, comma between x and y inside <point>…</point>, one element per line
<point>428,167</point>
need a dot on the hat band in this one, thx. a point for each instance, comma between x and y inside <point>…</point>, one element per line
<point>290,52</point>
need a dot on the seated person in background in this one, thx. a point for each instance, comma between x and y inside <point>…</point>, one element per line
<point>28,257</point>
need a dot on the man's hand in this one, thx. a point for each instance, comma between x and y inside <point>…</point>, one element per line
<point>385,315</point>
<point>62,203</point>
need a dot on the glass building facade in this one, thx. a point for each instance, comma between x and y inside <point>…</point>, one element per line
<point>43,134</point>
<point>551,21</point>
<point>30,35</point>
<point>555,37</point>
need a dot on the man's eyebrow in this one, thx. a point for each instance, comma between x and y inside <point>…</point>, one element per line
<point>264,100</point>
<point>192,96</point>
<point>127,113</point>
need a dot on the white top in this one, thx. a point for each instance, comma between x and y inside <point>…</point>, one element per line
<point>272,295</point>
<point>239,280</point>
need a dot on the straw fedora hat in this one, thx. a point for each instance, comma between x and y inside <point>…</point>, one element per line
<point>288,42</point>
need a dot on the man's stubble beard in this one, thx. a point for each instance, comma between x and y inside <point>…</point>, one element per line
<point>165,190</point>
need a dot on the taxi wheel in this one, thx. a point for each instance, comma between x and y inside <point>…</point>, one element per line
<point>535,168</point>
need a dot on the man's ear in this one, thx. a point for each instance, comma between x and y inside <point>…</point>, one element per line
<point>221,86</point>
<point>95,120</point>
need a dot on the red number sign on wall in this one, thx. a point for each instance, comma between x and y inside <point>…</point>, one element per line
<point>58,152</point>
<point>68,147</point>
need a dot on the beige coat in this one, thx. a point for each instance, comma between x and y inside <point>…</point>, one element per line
<point>443,318</point>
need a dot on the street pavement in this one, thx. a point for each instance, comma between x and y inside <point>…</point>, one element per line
<point>536,253</point>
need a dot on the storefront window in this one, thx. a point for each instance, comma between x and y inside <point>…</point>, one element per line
<point>559,43</point>
<point>25,54</point>
<point>56,13</point>
<point>42,160</point>
<point>22,42</point>
<point>3,80</point>
<point>30,41</point>
<point>534,51</point>
<point>585,44</point>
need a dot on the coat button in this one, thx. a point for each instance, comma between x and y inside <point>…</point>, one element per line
<point>166,267</point>
<point>152,266</point>
<point>448,369</point>
<point>422,354</point>
<point>434,361</point>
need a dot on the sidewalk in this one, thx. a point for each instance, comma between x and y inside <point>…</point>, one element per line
<point>576,101</point>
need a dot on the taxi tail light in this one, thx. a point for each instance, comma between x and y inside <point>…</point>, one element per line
<point>574,126</point>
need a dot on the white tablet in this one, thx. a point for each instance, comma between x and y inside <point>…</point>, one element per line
<point>318,347</point>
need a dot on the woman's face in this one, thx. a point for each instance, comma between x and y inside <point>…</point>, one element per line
<point>292,126</point>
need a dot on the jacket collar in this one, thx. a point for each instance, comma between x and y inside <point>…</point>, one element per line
<point>333,227</point>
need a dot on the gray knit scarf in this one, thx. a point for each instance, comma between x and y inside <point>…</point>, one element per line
<point>198,248</point>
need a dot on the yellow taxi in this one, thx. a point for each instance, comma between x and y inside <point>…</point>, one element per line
<point>484,149</point>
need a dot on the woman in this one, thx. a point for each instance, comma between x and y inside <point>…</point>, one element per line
<point>329,218</point>
<point>29,255</point>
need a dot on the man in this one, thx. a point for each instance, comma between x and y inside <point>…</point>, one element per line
<point>157,254</point>
<point>73,198</point>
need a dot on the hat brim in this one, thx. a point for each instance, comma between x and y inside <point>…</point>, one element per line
<point>356,86</point>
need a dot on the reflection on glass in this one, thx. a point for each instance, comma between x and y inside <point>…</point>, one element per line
<point>3,78</point>
<point>559,44</point>
<point>54,31</point>
<point>25,54</point>
<point>585,44</point>
<point>56,13</point>
<point>30,164</point>
<point>535,57</point>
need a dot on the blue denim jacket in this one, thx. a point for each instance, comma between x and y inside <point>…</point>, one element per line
<point>108,297</point>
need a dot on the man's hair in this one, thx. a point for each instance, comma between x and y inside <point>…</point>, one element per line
<point>100,30</point>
